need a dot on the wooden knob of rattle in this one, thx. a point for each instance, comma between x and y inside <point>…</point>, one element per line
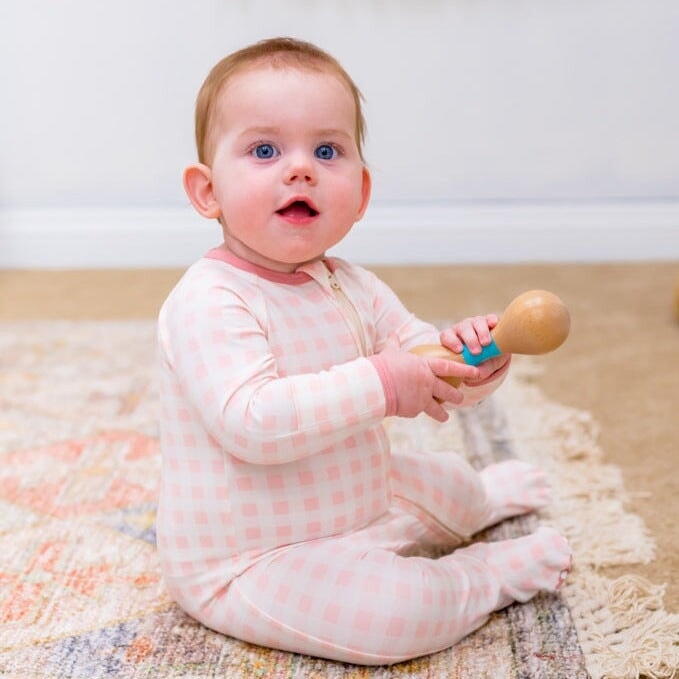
<point>535,322</point>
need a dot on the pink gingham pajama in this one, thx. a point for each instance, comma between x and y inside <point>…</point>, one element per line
<point>284,518</point>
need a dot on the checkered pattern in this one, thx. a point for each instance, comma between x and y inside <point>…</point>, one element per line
<point>284,520</point>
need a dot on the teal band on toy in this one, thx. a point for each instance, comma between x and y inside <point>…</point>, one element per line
<point>490,351</point>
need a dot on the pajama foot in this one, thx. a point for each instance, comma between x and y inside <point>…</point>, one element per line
<point>513,487</point>
<point>527,565</point>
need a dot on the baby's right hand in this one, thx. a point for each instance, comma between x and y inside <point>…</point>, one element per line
<point>417,380</point>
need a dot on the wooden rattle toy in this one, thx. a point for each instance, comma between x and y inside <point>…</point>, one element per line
<point>535,322</point>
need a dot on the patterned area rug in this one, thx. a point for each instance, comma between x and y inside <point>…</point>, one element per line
<point>80,590</point>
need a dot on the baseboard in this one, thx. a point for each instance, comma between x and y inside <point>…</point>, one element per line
<point>388,234</point>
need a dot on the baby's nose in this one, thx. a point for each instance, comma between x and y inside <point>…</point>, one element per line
<point>300,168</point>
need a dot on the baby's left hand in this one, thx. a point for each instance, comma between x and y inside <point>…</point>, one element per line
<point>474,333</point>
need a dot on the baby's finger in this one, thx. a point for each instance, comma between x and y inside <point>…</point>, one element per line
<point>482,331</point>
<point>445,392</point>
<point>492,366</point>
<point>493,320</point>
<point>449,338</point>
<point>468,332</point>
<point>436,411</point>
<point>442,367</point>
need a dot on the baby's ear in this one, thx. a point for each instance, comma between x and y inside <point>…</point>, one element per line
<point>198,187</point>
<point>366,187</point>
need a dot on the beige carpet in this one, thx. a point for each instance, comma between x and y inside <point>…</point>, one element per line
<point>621,364</point>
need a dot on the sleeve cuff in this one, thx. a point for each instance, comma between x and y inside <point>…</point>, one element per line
<point>391,399</point>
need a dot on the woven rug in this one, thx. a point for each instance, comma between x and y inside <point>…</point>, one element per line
<point>80,590</point>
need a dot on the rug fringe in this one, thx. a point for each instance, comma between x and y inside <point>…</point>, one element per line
<point>621,623</point>
<point>622,627</point>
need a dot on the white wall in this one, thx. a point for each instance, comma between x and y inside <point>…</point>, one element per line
<point>498,130</point>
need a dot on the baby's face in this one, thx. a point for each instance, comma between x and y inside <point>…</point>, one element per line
<point>286,170</point>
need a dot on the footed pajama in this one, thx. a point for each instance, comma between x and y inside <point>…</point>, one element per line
<point>284,518</point>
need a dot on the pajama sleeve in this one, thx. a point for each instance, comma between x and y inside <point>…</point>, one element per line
<point>216,348</point>
<point>390,315</point>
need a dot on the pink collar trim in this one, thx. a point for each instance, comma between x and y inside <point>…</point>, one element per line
<point>298,277</point>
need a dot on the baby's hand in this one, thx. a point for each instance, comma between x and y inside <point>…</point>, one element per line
<point>474,333</point>
<point>417,380</point>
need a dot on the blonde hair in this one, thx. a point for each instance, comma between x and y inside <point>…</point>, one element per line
<point>278,53</point>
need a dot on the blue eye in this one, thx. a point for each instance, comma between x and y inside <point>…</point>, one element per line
<point>265,151</point>
<point>325,152</point>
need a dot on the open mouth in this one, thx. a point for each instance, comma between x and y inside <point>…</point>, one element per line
<point>298,209</point>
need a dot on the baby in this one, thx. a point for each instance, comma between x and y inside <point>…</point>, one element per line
<point>285,520</point>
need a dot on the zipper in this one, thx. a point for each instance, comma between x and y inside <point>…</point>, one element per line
<point>350,313</point>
